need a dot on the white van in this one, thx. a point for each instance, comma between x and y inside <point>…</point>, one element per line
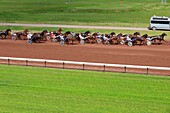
<point>159,22</point>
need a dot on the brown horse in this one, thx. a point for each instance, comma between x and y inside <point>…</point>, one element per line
<point>20,35</point>
<point>59,30</point>
<point>140,40</point>
<point>113,39</point>
<point>70,38</point>
<point>5,34</point>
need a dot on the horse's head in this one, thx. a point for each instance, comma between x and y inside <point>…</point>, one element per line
<point>44,32</point>
<point>59,30</point>
<point>26,32</point>
<point>87,33</point>
<point>112,33</point>
<point>145,36</point>
<point>120,35</point>
<point>107,35</point>
<point>137,33</point>
<point>68,32</point>
<point>130,35</point>
<point>8,31</point>
<point>94,34</point>
<point>164,34</point>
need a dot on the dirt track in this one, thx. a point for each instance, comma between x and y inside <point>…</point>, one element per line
<point>155,55</point>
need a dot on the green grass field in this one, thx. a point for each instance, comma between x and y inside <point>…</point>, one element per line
<point>46,90</point>
<point>89,12</point>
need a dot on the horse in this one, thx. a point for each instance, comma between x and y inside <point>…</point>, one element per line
<point>84,37</point>
<point>103,38</point>
<point>158,38</point>
<point>59,30</point>
<point>120,38</point>
<point>54,36</point>
<point>142,40</point>
<point>96,38</point>
<point>38,37</point>
<point>20,35</point>
<point>4,34</point>
<point>113,39</point>
<point>68,37</point>
<point>137,39</point>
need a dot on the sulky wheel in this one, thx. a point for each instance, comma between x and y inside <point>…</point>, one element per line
<point>61,43</point>
<point>29,41</point>
<point>107,43</point>
<point>82,42</point>
<point>55,40</point>
<point>99,40</point>
<point>148,43</point>
<point>122,42</point>
<point>48,37</point>
<point>130,44</point>
<point>14,38</point>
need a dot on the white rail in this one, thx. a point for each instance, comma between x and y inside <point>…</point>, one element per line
<point>87,63</point>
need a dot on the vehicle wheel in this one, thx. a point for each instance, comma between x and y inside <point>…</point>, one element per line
<point>130,44</point>
<point>122,42</point>
<point>29,41</point>
<point>61,43</point>
<point>82,42</point>
<point>55,40</point>
<point>148,43</point>
<point>99,40</point>
<point>153,28</point>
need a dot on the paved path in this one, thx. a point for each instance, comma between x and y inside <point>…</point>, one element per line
<point>73,26</point>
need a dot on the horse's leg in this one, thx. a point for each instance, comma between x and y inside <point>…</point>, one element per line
<point>72,41</point>
<point>141,42</point>
<point>4,37</point>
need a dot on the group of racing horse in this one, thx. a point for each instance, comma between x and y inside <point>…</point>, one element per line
<point>72,38</point>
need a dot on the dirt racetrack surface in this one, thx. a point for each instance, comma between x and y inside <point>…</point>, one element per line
<point>154,55</point>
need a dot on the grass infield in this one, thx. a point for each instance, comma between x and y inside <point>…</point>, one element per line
<point>34,89</point>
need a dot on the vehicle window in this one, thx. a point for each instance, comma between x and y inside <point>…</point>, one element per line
<point>159,22</point>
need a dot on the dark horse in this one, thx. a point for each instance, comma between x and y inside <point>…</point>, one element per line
<point>158,38</point>
<point>38,37</point>
<point>86,37</point>
<point>137,39</point>
<point>4,34</point>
